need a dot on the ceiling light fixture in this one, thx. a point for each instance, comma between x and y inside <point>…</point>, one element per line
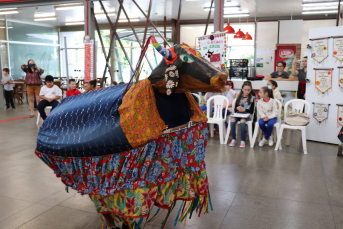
<point>45,18</point>
<point>225,8</point>
<point>236,15</point>
<point>319,8</point>
<point>320,12</point>
<point>69,6</point>
<point>9,11</point>
<point>228,29</point>
<point>239,34</point>
<point>320,4</point>
<point>110,14</point>
<point>247,36</point>
<point>131,20</point>
<point>75,23</point>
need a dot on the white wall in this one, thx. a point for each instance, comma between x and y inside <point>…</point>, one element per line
<point>307,25</point>
<point>266,39</point>
<point>290,31</point>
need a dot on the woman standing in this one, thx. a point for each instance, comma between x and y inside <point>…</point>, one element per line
<point>33,82</point>
<point>301,74</point>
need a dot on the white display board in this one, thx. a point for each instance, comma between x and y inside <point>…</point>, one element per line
<point>325,132</point>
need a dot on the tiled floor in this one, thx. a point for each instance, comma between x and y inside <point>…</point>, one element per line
<point>250,188</point>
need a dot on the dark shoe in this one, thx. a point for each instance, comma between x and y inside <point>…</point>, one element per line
<point>340,150</point>
<point>31,116</point>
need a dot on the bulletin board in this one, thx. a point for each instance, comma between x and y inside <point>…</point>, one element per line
<point>326,101</point>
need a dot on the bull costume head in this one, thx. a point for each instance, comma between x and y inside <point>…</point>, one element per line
<point>183,69</point>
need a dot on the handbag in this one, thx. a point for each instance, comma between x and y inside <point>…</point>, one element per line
<point>297,119</point>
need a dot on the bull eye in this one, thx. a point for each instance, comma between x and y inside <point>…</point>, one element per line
<point>186,58</point>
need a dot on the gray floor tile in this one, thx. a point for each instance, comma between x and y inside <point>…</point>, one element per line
<point>338,216</point>
<point>335,188</point>
<point>286,184</point>
<point>23,216</point>
<point>248,211</point>
<point>10,206</point>
<point>66,218</point>
<point>79,202</point>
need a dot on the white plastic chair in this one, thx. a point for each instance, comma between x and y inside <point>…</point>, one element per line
<point>38,116</point>
<point>277,125</point>
<point>198,97</point>
<point>217,117</point>
<point>297,106</point>
<point>248,123</point>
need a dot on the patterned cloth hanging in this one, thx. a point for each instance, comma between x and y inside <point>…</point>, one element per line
<point>338,48</point>
<point>319,49</point>
<point>323,80</point>
<point>321,112</point>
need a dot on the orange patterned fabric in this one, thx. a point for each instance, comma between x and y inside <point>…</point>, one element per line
<point>198,114</point>
<point>139,117</point>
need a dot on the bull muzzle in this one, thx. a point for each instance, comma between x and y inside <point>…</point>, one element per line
<point>218,81</point>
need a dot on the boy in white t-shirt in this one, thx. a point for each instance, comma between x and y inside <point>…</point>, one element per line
<point>50,94</point>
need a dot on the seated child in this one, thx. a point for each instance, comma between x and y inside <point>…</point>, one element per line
<point>90,86</point>
<point>267,111</point>
<point>114,83</point>
<point>72,88</point>
<point>50,94</point>
<point>245,103</point>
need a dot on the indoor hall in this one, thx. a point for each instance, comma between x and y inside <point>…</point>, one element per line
<point>111,127</point>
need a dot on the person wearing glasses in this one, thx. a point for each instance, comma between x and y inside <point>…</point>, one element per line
<point>301,75</point>
<point>280,74</point>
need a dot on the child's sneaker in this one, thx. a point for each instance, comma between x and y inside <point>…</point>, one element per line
<point>242,145</point>
<point>270,141</point>
<point>262,142</point>
<point>233,142</point>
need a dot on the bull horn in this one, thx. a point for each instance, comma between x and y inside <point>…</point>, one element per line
<point>162,50</point>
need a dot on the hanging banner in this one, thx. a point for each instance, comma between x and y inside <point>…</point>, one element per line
<point>321,112</point>
<point>319,49</point>
<point>340,78</point>
<point>338,48</point>
<point>323,80</point>
<point>89,60</point>
<point>340,114</point>
<point>213,48</point>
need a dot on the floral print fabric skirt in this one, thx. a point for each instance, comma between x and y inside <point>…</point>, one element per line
<point>128,184</point>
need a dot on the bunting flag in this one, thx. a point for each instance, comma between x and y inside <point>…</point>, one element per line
<point>319,49</point>
<point>340,114</point>
<point>340,78</point>
<point>323,80</point>
<point>321,112</point>
<point>338,48</point>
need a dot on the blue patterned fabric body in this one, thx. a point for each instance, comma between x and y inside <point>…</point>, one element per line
<point>85,125</point>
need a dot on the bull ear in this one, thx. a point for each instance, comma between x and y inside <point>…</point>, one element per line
<point>167,54</point>
<point>172,79</point>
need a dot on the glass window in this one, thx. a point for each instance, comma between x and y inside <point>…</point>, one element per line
<point>32,33</point>
<point>46,57</point>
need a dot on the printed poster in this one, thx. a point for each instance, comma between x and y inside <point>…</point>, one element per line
<point>338,48</point>
<point>321,112</point>
<point>285,53</point>
<point>323,82</point>
<point>319,49</point>
<point>213,48</point>
<point>340,114</point>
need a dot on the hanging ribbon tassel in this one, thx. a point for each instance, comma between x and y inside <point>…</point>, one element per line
<point>178,214</point>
